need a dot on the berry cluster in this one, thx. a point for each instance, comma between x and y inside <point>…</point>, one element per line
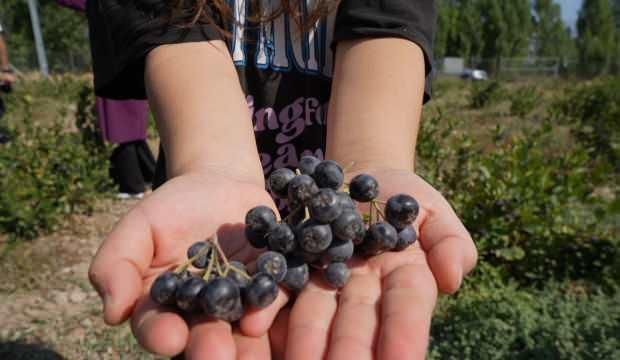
<point>216,286</point>
<point>322,231</point>
<point>324,228</point>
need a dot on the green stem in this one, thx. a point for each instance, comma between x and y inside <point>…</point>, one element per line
<point>181,268</point>
<point>374,204</point>
<point>238,271</point>
<point>207,273</point>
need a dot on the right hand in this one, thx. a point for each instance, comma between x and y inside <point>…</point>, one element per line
<point>153,237</point>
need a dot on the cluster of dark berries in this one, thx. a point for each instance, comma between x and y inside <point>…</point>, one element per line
<point>322,231</point>
<point>324,228</point>
<point>215,286</point>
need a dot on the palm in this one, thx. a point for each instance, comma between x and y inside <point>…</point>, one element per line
<point>154,237</point>
<point>386,307</point>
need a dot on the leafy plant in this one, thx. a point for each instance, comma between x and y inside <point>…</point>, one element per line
<point>49,173</point>
<point>524,100</point>
<point>483,94</point>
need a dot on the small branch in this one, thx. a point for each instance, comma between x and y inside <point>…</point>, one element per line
<point>374,204</point>
<point>238,271</point>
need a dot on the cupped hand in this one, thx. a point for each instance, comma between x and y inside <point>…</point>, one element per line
<point>385,309</point>
<point>153,237</point>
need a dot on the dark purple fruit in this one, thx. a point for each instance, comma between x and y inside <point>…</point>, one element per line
<point>164,288</point>
<point>219,297</point>
<point>406,237</point>
<point>297,275</point>
<point>314,237</point>
<point>337,274</point>
<point>301,189</point>
<point>324,206</point>
<point>259,221</point>
<point>380,237</point>
<point>346,203</point>
<point>278,182</point>
<point>401,210</point>
<point>282,239</point>
<point>364,188</point>
<point>187,294</point>
<point>202,261</point>
<point>339,251</point>
<point>262,291</point>
<point>272,263</point>
<point>328,174</point>
<point>348,226</point>
<point>307,164</point>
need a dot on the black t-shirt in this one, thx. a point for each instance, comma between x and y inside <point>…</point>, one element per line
<point>286,76</point>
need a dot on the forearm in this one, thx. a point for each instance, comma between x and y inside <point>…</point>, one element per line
<point>4,54</point>
<point>376,103</point>
<point>200,110</point>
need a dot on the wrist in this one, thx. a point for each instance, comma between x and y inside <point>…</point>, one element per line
<point>247,172</point>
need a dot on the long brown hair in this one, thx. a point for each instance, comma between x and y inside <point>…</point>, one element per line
<point>189,12</point>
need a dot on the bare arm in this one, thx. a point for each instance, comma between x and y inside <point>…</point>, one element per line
<point>202,115</point>
<point>4,54</point>
<point>376,103</point>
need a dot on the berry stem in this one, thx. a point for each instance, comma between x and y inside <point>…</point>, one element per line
<point>291,214</point>
<point>241,272</point>
<point>221,253</point>
<point>347,168</point>
<point>207,273</point>
<point>376,206</point>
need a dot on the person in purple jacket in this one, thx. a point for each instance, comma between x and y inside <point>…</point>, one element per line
<point>124,122</point>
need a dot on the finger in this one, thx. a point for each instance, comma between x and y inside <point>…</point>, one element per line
<point>278,333</point>
<point>356,324</point>
<point>119,266</point>
<point>210,339</point>
<point>409,296</point>
<point>159,330</point>
<point>310,321</point>
<point>249,347</point>
<point>450,249</point>
<point>257,322</point>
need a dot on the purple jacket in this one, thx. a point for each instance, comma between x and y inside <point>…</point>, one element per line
<point>79,5</point>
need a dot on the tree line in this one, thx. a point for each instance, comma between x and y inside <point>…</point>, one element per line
<point>471,29</point>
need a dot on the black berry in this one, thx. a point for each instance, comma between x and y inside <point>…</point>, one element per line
<point>241,281</point>
<point>324,206</point>
<point>219,297</point>
<point>401,210</point>
<point>278,182</point>
<point>337,274</point>
<point>339,251</point>
<point>259,221</point>
<point>307,164</point>
<point>346,203</point>
<point>348,226</point>
<point>297,275</point>
<point>328,174</point>
<point>262,290</point>
<point>282,239</point>
<point>164,288</point>
<point>364,188</point>
<point>314,237</point>
<point>301,189</point>
<point>187,294</point>
<point>406,237</point>
<point>272,263</point>
<point>380,237</point>
<point>202,261</point>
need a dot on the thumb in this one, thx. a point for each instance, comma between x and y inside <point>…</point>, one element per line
<point>117,269</point>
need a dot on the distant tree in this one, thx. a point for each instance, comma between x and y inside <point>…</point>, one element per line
<point>459,31</point>
<point>596,39</point>
<point>552,36</point>
<point>506,29</point>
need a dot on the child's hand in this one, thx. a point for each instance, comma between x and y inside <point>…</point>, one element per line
<point>385,309</point>
<point>153,237</point>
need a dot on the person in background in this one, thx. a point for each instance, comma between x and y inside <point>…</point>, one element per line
<point>7,77</point>
<point>124,122</point>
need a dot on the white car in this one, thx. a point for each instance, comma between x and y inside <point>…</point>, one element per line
<point>475,74</point>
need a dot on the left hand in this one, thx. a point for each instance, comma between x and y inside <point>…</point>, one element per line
<point>385,309</point>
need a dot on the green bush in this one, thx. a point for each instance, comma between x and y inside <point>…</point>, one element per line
<point>593,113</point>
<point>49,173</point>
<point>484,94</point>
<point>524,100</point>
<point>535,215</point>
<point>505,322</point>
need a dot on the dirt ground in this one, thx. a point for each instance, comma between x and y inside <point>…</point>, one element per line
<point>48,310</point>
